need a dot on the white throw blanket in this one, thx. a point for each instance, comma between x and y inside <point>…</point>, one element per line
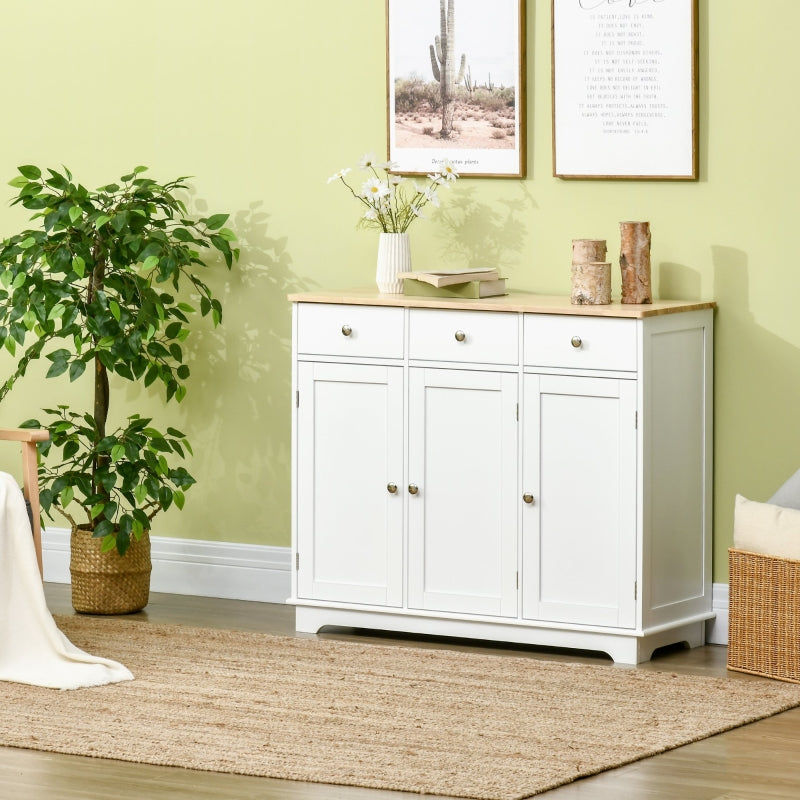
<point>32,649</point>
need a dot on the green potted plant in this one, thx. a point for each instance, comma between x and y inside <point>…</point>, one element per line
<point>107,284</point>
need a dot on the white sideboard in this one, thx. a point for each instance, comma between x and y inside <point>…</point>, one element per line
<point>516,469</point>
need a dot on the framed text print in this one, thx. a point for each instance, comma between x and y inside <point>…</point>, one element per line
<point>625,89</point>
<point>456,86</point>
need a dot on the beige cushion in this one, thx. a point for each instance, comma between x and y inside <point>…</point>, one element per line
<point>766,528</point>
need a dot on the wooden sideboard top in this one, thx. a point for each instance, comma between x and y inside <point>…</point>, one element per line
<point>526,302</point>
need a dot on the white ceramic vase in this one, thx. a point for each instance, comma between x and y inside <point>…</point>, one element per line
<point>394,257</point>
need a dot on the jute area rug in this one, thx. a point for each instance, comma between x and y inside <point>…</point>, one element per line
<point>419,720</point>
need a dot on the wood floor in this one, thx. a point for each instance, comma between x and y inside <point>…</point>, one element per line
<point>756,762</point>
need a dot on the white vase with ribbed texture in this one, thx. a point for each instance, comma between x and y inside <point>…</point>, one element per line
<point>394,257</point>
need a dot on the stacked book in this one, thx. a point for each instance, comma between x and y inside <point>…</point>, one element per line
<point>468,283</point>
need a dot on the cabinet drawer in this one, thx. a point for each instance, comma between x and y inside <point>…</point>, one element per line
<point>341,330</point>
<point>576,342</point>
<point>474,336</point>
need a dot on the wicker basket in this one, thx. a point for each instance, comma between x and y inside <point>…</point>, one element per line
<point>107,583</point>
<point>764,615</point>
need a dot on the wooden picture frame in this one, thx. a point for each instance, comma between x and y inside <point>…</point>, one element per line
<point>624,82</point>
<point>479,65</point>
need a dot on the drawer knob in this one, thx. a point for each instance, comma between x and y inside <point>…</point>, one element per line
<point>460,336</point>
<point>576,341</point>
<point>528,498</point>
<point>413,488</point>
<point>346,330</point>
<point>391,488</point>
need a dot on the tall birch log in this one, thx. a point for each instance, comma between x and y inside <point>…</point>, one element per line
<point>634,262</point>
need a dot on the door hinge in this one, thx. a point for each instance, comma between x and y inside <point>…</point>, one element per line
<point>297,561</point>
<point>636,590</point>
<point>297,399</point>
<point>636,420</point>
<point>517,412</point>
<point>517,579</point>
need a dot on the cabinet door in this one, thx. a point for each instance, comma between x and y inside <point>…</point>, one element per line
<point>463,517</point>
<point>349,449</point>
<point>579,527</point>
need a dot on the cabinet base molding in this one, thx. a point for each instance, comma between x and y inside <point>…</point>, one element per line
<point>623,646</point>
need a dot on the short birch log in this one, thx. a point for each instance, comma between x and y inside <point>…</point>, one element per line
<point>591,284</point>
<point>588,251</point>
<point>634,262</point>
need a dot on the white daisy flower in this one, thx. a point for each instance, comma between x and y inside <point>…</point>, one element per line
<point>448,170</point>
<point>368,160</point>
<point>339,175</point>
<point>374,189</point>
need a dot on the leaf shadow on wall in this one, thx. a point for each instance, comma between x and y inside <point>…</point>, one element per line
<point>237,407</point>
<point>477,234</point>
<point>757,386</point>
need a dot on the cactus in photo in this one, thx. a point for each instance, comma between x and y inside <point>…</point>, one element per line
<point>443,64</point>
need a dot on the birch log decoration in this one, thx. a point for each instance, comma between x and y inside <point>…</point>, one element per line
<point>588,251</point>
<point>591,284</point>
<point>634,262</point>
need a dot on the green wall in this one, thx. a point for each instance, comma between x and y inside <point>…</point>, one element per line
<point>262,101</point>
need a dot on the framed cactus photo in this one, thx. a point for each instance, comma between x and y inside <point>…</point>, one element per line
<point>456,86</point>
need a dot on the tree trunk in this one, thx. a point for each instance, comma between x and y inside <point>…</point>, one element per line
<point>634,262</point>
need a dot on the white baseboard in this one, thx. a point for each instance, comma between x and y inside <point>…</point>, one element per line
<point>250,572</point>
<point>717,629</point>
<point>194,567</point>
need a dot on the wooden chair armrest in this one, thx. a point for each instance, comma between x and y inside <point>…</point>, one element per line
<point>28,437</point>
<point>24,435</point>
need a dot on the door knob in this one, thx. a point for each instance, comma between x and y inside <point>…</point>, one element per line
<point>413,488</point>
<point>346,330</point>
<point>460,336</point>
<point>576,341</point>
<point>528,498</point>
<point>391,488</point>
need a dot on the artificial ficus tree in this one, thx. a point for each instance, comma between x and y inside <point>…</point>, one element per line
<point>107,283</point>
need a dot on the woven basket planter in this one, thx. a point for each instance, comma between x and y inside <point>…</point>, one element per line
<point>107,583</point>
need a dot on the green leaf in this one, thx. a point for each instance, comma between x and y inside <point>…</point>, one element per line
<point>18,182</point>
<point>79,266</point>
<point>66,496</point>
<point>57,368</point>
<point>31,172</point>
<point>117,452</point>
<point>29,319</point>
<point>74,214</point>
<point>101,220</point>
<point>103,529</point>
<point>150,262</point>
<point>113,307</point>
<point>56,311</point>
<point>26,244</point>
<point>76,369</point>
<point>216,221</point>
<point>182,235</point>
